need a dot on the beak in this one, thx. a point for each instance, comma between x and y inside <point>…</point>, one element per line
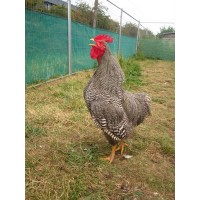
<point>92,44</point>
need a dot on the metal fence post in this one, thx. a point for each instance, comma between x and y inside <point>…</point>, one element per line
<point>137,41</point>
<point>69,38</point>
<point>120,32</point>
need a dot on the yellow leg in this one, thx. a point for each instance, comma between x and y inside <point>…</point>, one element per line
<point>121,146</point>
<point>112,155</point>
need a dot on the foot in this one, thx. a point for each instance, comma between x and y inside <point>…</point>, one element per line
<point>112,155</point>
<point>121,147</point>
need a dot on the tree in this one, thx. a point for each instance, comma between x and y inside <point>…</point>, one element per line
<point>59,10</point>
<point>104,21</point>
<point>163,29</point>
<point>129,29</point>
<point>83,13</point>
<point>96,17</point>
<point>34,4</point>
<point>145,33</point>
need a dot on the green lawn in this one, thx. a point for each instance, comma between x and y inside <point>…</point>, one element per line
<point>64,147</point>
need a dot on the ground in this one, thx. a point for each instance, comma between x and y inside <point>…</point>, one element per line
<point>63,145</point>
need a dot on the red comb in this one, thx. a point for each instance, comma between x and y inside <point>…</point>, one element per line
<point>102,37</point>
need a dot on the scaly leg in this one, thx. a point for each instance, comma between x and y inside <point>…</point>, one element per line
<point>112,155</point>
<point>121,146</point>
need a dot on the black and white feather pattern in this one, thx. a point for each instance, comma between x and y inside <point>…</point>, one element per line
<point>114,110</point>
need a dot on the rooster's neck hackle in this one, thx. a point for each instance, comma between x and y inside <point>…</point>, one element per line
<point>109,77</point>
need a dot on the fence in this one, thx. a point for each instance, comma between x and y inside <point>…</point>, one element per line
<point>58,46</point>
<point>158,48</point>
<point>47,46</point>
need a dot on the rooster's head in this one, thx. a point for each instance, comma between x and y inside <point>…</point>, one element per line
<point>99,47</point>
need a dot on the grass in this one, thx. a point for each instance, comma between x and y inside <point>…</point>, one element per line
<point>63,146</point>
<point>132,71</point>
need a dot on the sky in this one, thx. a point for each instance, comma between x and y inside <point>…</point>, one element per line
<point>142,10</point>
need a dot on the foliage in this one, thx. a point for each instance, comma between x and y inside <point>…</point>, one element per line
<point>84,14</point>
<point>163,29</point>
<point>132,72</point>
<point>34,4</point>
<point>140,55</point>
<point>59,10</point>
<point>130,29</point>
<point>146,34</point>
<point>104,21</point>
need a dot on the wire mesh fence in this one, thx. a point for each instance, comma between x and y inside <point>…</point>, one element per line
<point>57,36</point>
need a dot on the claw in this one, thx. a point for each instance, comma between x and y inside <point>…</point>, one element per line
<point>114,149</point>
<point>121,146</point>
<point>112,155</point>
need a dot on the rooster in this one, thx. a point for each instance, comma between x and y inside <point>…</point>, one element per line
<point>115,111</point>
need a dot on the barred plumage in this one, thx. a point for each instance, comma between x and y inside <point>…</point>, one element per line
<point>113,109</point>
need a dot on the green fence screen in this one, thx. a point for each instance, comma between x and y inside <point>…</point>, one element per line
<point>47,46</point>
<point>158,48</point>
